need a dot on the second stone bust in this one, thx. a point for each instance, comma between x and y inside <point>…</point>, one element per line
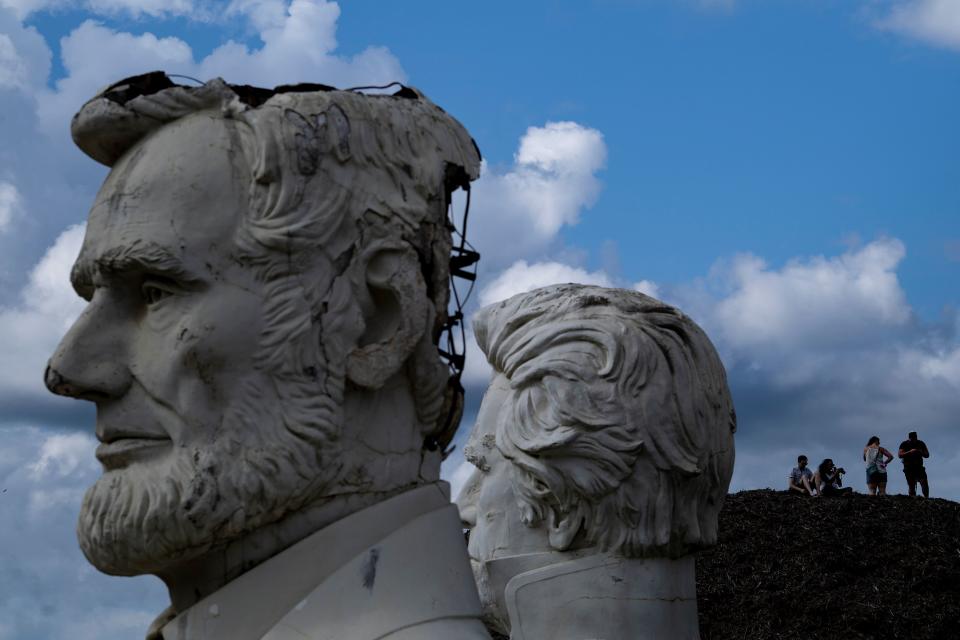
<point>604,448</point>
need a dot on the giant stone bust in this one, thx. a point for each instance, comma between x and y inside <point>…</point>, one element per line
<point>603,452</point>
<point>267,276</point>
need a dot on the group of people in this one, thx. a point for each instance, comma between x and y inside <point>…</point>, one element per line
<point>827,480</point>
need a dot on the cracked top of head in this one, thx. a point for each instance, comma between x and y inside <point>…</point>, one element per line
<point>123,113</point>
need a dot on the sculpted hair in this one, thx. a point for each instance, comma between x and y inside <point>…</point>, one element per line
<point>619,423</point>
<point>332,173</point>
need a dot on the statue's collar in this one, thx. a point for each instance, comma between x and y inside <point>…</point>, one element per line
<point>252,604</point>
<point>599,595</point>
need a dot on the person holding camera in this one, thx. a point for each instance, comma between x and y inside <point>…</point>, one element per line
<point>829,479</point>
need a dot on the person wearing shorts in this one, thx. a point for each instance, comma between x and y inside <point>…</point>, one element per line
<point>876,459</point>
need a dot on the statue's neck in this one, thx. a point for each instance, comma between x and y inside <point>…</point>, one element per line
<point>605,596</point>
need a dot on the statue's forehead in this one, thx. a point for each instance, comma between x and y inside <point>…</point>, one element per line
<point>186,179</point>
<point>193,156</point>
<point>182,192</point>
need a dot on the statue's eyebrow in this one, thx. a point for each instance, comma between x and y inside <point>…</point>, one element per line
<point>138,256</point>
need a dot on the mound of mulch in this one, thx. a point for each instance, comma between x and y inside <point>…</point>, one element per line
<point>851,567</point>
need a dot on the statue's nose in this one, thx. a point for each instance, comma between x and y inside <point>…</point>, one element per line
<point>90,362</point>
<point>57,384</point>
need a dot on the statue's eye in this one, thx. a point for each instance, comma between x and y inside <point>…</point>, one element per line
<point>154,291</point>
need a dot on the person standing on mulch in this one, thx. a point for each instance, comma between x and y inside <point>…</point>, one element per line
<point>800,479</point>
<point>912,452</point>
<point>876,458</point>
<point>829,479</point>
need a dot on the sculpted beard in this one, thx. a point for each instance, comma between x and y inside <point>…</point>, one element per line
<point>249,471</point>
<point>488,598</point>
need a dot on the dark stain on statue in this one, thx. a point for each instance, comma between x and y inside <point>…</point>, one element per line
<point>369,570</point>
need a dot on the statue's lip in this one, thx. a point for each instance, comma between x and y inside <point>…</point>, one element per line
<point>110,435</point>
<point>120,452</point>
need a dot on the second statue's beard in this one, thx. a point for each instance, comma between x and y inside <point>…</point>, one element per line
<point>492,615</point>
<point>251,471</point>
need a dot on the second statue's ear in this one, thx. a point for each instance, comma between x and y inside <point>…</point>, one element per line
<point>564,528</point>
<point>394,308</point>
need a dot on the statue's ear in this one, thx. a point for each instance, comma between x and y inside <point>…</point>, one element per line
<point>563,528</point>
<point>394,309</point>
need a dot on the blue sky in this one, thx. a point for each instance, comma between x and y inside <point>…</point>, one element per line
<point>784,171</point>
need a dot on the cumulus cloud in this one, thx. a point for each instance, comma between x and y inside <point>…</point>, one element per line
<point>793,322</point>
<point>42,476</point>
<point>520,211</point>
<point>298,45</point>
<point>9,204</point>
<point>141,7</point>
<point>63,454</point>
<point>823,352</point>
<point>457,473</point>
<point>30,329</point>
<point>936,22</point>
<point>521,277</point>
<point>648,287</point>
<point>93,56</point>
<point>816,301</point>
<point>24,55</point>
<point>23,8</point>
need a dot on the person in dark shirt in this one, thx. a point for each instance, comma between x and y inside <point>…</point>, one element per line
<point>912,452</point>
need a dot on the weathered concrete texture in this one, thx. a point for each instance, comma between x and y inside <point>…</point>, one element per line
<point>604,449</point>
<point>267,275</point>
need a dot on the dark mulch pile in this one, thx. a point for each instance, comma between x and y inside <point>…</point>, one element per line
<point>857,566</point>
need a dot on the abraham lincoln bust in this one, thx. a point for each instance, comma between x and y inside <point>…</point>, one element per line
<point>267,278</point>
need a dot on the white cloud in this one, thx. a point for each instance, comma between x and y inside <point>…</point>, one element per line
<point>12,69</point>
<point>299,48</point>
<point>63,454</point>
<point>941,364</point>
<point>23,8</point>
<point>94,56</point>
<point>30,330</point>
<point>811,303</point>
<point>299,41</point>
<point>521,276</point>
<point>134,8</point>
<point>648,287</point>
<point>141,7</point>
<point>263,14</point>
<point>933,21</point>
<point>458,477</point>
<point>9,203</point>
<point>24,55</point>
<point>519,212</point>
<point>477,370</point>
<point>47,588</point>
